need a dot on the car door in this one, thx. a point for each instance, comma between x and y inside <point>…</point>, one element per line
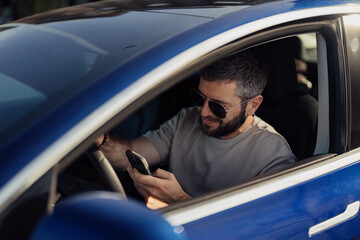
<point>319,197</point>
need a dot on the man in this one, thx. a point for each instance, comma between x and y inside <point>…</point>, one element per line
<point>218,143</point>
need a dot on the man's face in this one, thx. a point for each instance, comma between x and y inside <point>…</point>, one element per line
<point>224,94</point>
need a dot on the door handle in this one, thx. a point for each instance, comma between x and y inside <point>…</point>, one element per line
<point>350,212</point>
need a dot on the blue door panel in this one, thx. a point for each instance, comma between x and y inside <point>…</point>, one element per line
<point>290,213</point>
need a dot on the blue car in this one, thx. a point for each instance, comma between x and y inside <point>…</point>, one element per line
<point>69,75</point>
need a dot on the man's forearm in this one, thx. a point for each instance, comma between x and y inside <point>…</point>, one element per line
<point>114,148</point>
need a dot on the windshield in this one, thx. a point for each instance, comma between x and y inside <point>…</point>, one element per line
<point>38,68</point>
<point>41,66</point>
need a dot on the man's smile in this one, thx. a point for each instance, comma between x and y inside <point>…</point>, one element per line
<point>209,121</point>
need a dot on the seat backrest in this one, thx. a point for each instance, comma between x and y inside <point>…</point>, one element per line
<point>140,121</point>
<point>291,113</point>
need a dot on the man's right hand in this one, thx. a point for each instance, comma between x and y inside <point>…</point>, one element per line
<point>114,149</point>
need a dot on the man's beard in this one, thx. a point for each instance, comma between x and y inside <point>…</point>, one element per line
<point>223,130</point>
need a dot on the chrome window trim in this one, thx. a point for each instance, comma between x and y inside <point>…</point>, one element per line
<point>60,148</point>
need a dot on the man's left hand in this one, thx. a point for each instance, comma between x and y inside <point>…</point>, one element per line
<point>161,185</point>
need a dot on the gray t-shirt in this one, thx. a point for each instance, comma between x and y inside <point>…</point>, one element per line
<point>202,163</point>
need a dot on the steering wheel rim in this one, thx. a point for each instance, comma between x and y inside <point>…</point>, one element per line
<point>105,170</point>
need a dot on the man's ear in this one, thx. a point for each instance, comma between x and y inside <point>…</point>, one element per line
<point>253,105</point>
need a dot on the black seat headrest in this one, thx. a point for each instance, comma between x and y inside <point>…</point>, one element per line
<point>280,60</point>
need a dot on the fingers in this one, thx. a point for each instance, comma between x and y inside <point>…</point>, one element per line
<point>146,179</point>
<point>138,177</point>
<point>130,171</point>
<point>162,185</point>
<point>142,179</point>
<point>146,185</point>
<point>143,183</point>
<point>99,140</point>
<point>160,173</point>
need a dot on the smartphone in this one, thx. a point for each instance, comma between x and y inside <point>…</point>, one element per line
<point>137,161</point>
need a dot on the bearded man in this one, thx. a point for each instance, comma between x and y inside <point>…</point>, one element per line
<point>218,143</point>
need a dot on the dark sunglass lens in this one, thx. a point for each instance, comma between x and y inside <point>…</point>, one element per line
<point>217,109</point>
<point>197,99</point>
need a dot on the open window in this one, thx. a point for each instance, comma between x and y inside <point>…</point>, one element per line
<point>293,104</point>
<point>290,97</point>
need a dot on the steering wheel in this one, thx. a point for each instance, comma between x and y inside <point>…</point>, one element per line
<point>105,170</point>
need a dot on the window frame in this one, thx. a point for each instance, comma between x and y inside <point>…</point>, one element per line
<point>329,28</point>
<point>352,31</point>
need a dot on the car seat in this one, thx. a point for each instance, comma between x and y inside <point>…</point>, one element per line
<point>293,114</point>
<point>139,122</point>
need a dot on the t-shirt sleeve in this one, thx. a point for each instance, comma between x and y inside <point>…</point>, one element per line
<point>279,162</point>
<point>279,152</point>
<point>162,138</point>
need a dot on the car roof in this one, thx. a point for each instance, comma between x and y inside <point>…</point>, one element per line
<point>184,26</point>
<point>116,7</point>
<point>135,26</point>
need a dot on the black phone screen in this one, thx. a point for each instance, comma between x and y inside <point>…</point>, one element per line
<point>137,161</point>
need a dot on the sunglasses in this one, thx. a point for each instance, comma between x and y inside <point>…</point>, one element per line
<point>216,108</point>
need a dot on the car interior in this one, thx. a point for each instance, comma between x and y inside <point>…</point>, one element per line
<point>290,105</point>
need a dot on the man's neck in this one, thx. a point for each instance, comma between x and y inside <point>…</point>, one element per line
<point>243,127</point>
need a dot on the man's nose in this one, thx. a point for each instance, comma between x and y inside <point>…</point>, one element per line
<point>205,110</point>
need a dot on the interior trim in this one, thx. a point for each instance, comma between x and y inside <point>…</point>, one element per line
<point>323,129</point>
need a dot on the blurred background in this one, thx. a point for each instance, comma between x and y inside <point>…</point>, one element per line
<point>15,9</point>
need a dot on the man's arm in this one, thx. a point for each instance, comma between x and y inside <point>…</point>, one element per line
<point>114,149</point>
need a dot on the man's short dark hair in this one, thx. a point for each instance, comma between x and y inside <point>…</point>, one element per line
<point>245,68</point>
